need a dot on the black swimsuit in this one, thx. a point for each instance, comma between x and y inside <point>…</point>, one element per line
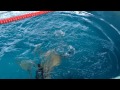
<point>39,73</point>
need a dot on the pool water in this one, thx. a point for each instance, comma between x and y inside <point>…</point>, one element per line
<point>93,36</point>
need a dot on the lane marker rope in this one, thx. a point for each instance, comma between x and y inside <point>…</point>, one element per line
<point>20,17</point>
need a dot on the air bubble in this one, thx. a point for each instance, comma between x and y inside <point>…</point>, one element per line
<point>59,33</point>
<point>66,50</point>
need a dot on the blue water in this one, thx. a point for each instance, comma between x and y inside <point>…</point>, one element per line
<point>94,37</point>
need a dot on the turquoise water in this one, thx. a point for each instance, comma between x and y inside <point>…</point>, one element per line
<point>93,37</point>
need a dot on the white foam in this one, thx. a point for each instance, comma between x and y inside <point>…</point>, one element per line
<point>118,77</point>
<point>8,14</point>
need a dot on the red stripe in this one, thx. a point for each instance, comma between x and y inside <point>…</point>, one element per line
<point>15,18</point>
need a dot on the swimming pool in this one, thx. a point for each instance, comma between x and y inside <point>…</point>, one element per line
<point>93,37</point>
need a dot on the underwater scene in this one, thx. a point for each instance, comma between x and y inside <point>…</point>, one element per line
<point>62,45</point>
